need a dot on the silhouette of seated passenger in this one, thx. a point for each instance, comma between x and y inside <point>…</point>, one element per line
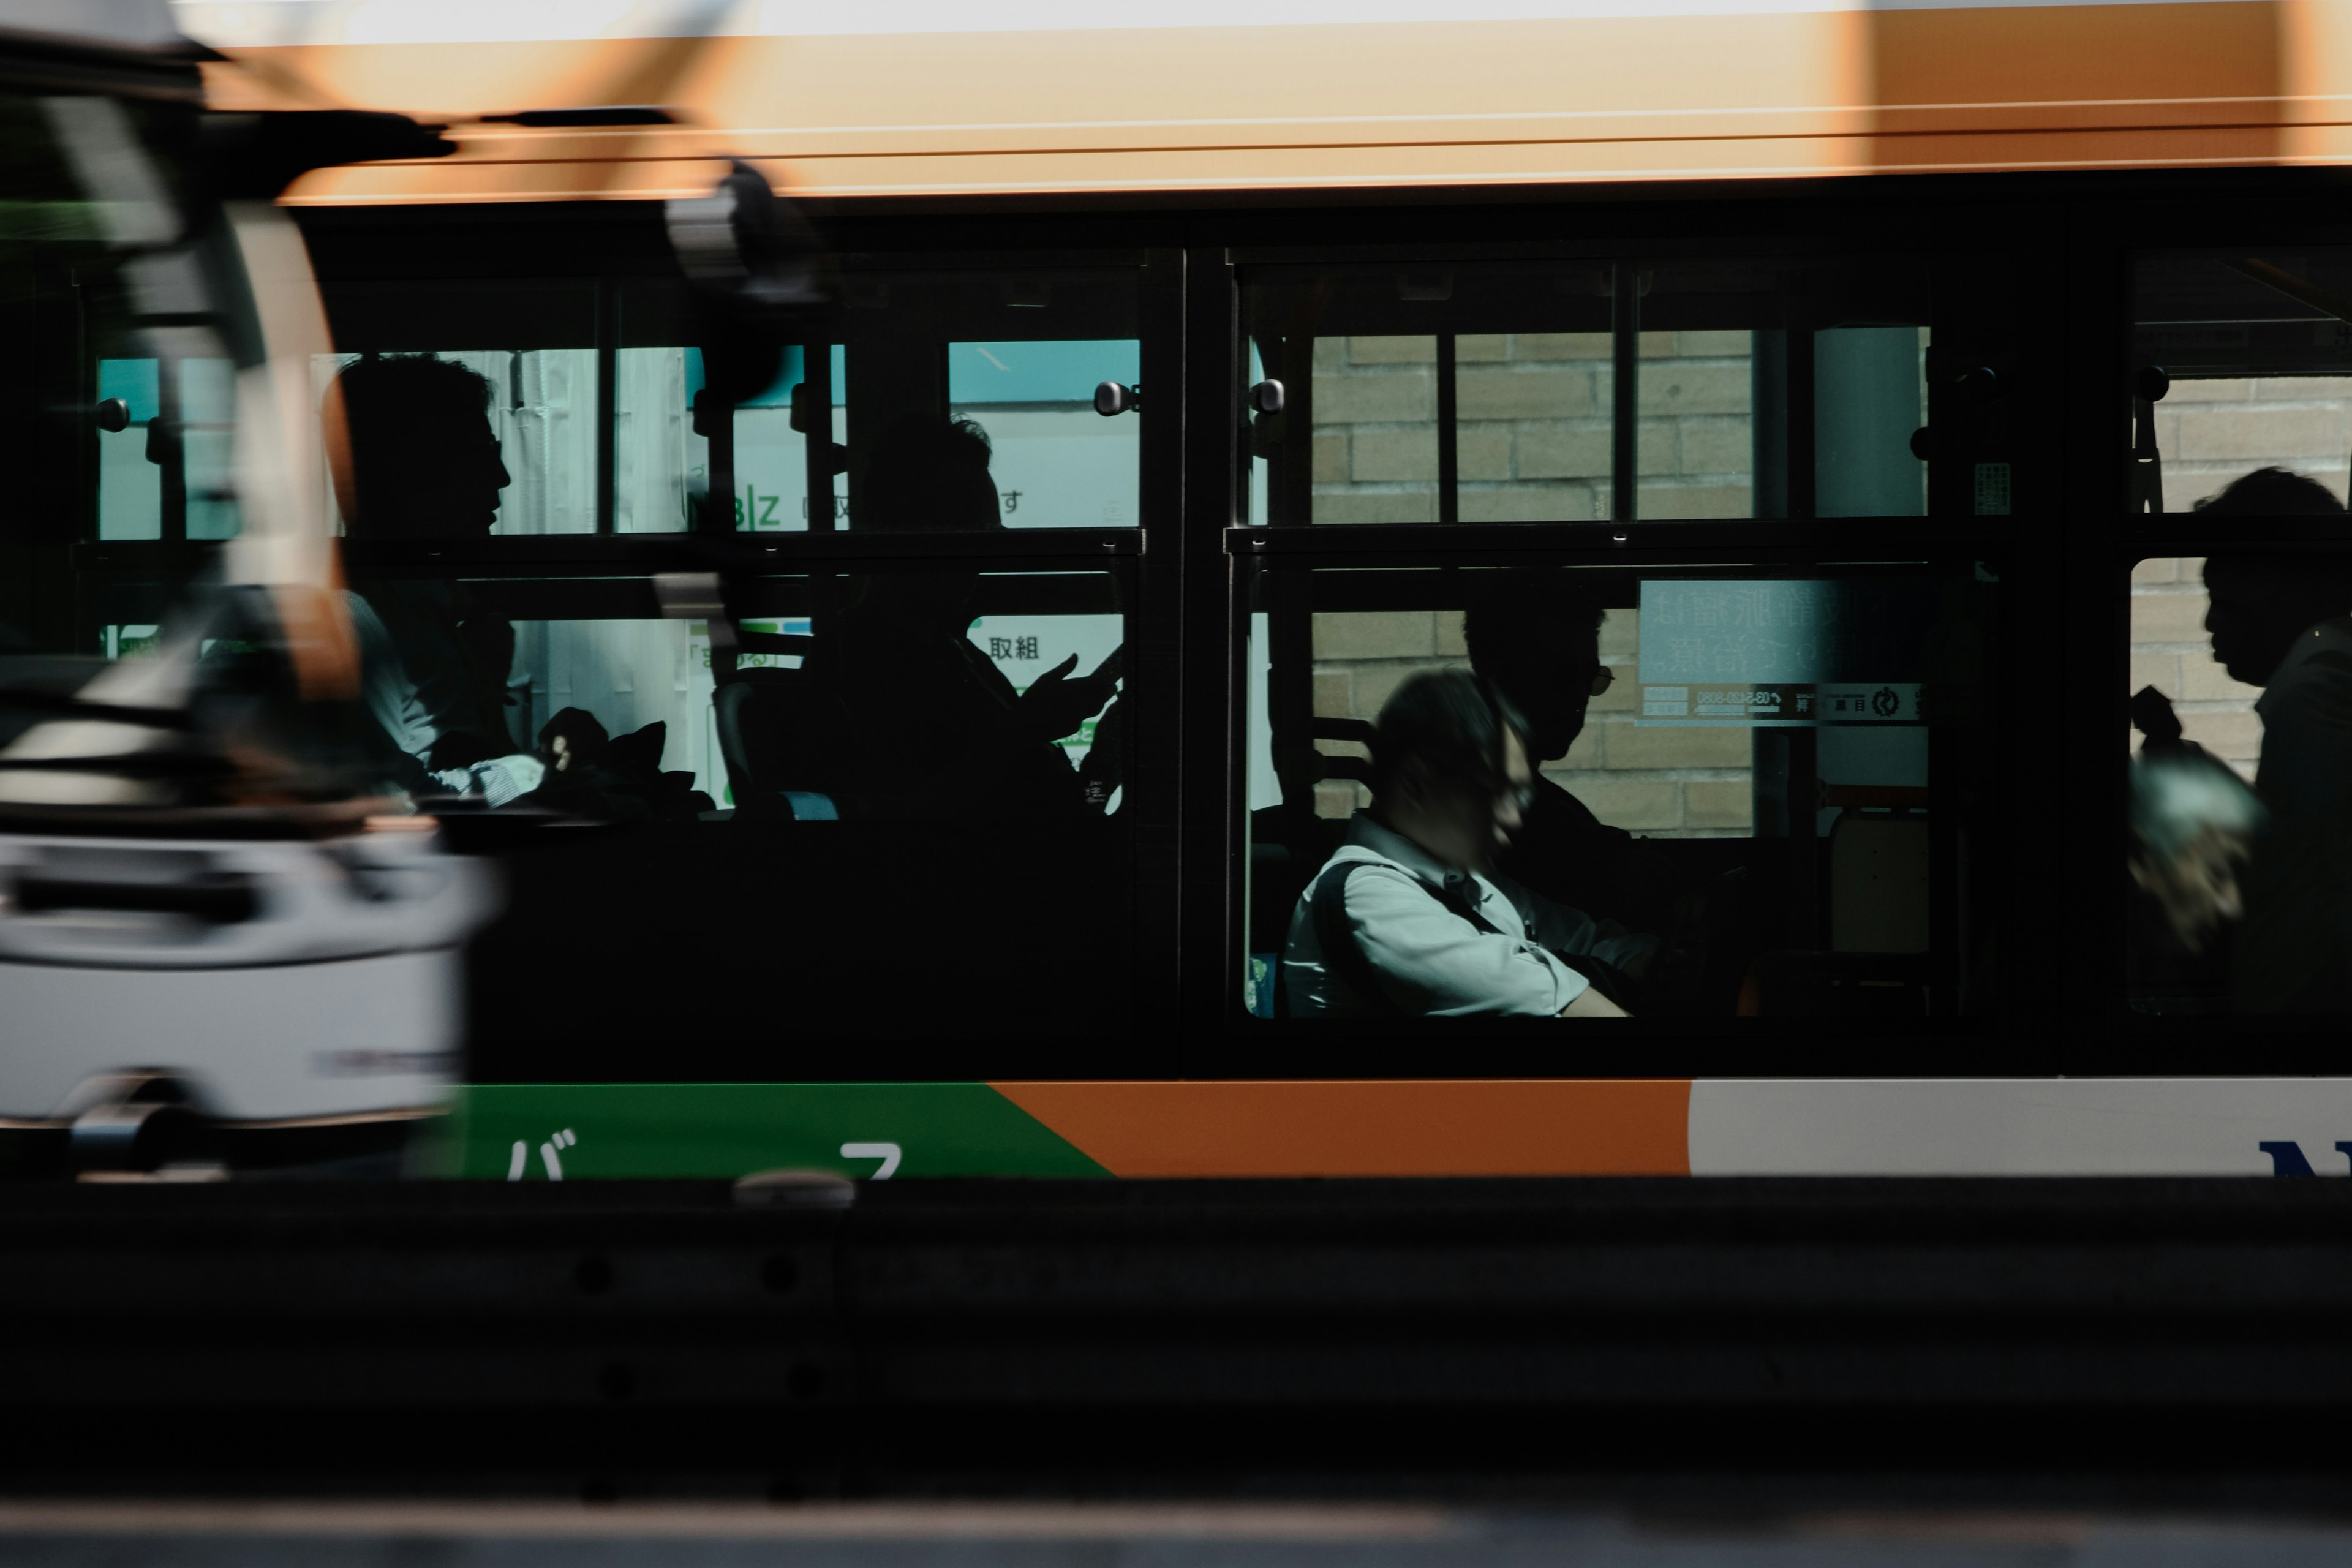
<point>412,455</point>
<point>1534,633</point>
<point>939,732</point>
<point>1409,918</point>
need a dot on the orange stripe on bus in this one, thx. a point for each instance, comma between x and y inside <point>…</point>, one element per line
<point>1375,1128</point>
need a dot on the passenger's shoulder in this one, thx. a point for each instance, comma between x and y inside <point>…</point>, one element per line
<point>2318,685</point>
<point>1373,879</point>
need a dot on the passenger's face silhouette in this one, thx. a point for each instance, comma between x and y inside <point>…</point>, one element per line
<point>444,483</point>
<point>2255,614</point>
<point>458,498</point>
<point>1553,685</point>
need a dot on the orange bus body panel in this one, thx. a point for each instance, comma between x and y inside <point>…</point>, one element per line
<point>1370,1127</point>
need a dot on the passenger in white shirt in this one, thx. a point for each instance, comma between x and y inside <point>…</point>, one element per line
<point>1423,926</point>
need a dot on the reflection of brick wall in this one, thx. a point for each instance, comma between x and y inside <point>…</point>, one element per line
<point>1533,435</point>
<point>2211,432</point>
<point>1659,782</point>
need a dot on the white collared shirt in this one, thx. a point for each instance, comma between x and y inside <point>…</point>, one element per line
<point>1432,962</point>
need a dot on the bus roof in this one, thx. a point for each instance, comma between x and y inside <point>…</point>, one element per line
<point>914,97</point>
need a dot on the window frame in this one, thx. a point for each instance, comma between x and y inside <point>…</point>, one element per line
<point>2060,1007</point>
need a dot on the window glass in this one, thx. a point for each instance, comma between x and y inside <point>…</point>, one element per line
<point>2251,368</point>
<point>207,429</point>
<point>1870,397</point>
<point>771,475</point>
<point>169,472</point>
<point>766,815</point>
<point>1490,394</point>
<point>661,462</point>
<point>1058,463</point>
<point>129,484</point>
<point>1019,353</point>
<point>1018,356</point>
<point>1780,752</point>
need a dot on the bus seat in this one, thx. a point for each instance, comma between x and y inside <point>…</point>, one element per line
<point>775,737</point>
<point>1878,882</point>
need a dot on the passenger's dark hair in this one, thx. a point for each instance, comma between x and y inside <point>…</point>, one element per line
<point>927,473</point>
<point>2273,493</point>
<point>2318,587</point>
<point>1451,720</point>
<point>1508,607</point>
<point>387,415</point>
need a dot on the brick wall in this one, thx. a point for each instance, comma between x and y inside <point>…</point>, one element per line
<point>2212,431</point>
<point>2209,432</point>
<point>1532,426</point>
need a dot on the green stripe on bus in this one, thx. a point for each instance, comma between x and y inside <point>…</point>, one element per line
<point>535,1131</point>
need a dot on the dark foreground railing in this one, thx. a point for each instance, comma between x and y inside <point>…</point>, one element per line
<point>1752,1343</point>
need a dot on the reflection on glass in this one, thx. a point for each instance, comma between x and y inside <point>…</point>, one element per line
<point>1870,394</point>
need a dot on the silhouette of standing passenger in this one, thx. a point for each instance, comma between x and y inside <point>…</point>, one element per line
<point>2280,622</point>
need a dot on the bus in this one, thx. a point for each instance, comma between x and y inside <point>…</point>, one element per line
<point>1834,391</point>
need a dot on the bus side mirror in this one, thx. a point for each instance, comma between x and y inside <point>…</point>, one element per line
<point>757,274</point>
<point>742,244</point>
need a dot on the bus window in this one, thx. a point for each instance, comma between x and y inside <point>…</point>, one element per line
<point>661,458</point>
<point>1059,463</point>
<point>2249,362</point>
<point>1757,770</point>
<point>130,485</point>
<point>206,428</point>
<point>1018,356</point>
<point>2241,388</point>
<point>167,473</point>
<point>754,810</point>
<point>1574,391</point>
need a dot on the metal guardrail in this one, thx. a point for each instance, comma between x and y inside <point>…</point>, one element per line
<point>2073,1340</point>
